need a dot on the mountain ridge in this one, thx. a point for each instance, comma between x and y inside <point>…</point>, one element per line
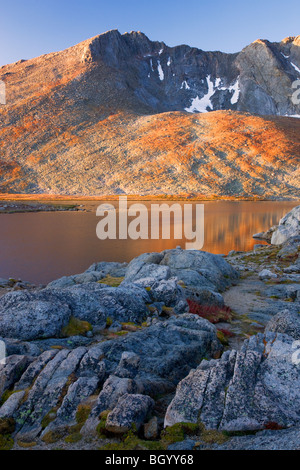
<point>75,120</point>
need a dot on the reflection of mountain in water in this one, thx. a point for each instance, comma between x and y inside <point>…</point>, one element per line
<point>40,247</point>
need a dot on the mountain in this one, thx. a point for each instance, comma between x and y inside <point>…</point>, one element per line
<point>121,114</point>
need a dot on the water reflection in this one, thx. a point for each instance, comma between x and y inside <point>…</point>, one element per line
<point>40,247</point>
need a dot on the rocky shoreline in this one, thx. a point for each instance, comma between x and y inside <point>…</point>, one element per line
<point>175,350</point>
<point>12,207</point>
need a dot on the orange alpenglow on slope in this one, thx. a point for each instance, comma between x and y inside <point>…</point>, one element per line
<point>72,127</point>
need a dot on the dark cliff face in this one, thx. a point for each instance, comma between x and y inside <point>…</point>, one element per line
<point>267,72</point>
<point>257,80</point>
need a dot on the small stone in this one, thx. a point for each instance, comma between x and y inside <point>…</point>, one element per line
<point>187,444</point>
<point>115,327</point>
<point>267,274</point>
<point>151,428</point>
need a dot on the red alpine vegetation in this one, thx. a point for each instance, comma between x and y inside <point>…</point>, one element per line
<point>212,313</point>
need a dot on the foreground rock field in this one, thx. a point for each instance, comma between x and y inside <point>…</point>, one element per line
<point>175,350</point>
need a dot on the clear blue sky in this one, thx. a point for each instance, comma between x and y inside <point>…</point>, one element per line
<point>29,28</point>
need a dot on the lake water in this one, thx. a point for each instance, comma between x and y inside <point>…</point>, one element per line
<point>39,247</point>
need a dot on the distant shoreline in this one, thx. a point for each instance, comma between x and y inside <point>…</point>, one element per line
<point>138,197</point>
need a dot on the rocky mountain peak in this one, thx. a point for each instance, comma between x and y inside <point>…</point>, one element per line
<point>174,102</point>
<point>291,39</point>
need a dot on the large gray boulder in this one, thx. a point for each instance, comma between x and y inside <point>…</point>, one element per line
<point>20,348</point>
<point>42,314</point>
<point>68,281</point>
<point>167,349</point>
<point>76,394</point>
<point>201,276</point>
<point>287,322</point>
<point>170,293</point>
<point>148,271</point>
<point>163,354</point>
<point>28,316</point>
<point>46,391</point>
<point>168,278</point>
<point>11,371</point>
<point>104,268</point>
<point>289,226</point>
<point>283,439</point>
<point>215,272</point>
<point>131,410</point>
<point>284,291</point>
<point>11,404</point>
<point>141,266</point>
<point>94,302</point>
<point>243,391</point>
<point>148,362</point>
<point>94,273</point>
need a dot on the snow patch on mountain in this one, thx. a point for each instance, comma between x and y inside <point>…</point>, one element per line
<point>160,71</point>
<point>236,92</point>
<point>185,85</point>
<point>295,67</point>
<point>200,105</point>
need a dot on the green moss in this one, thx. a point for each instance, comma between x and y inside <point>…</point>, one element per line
<point>109,322</point>
<point>6,396</point>
<point>48,418</point>
<point>246,275</point>
<point>82,414</point>
<point>130,326</point>
<point>275,283</point>
<point>167,309</point>
<point>6,442</point>
<point>101,431</point>
<point>212,436</point>
<point>182,284</point>
<point>76,428</point>
<point>111,281</point>
<point>121,333</point>
<point>148,289</point>
<point>177,432</point>
<point>76,327</point>
<point>23,415</point>
<point>132,442</point>
<point>26,445</point>
<point>7,426</point>
<point>190,428</point>
<point>51,437</point>
<point>222,338</point>
<point>151,308</point>
<point>72,438</point>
